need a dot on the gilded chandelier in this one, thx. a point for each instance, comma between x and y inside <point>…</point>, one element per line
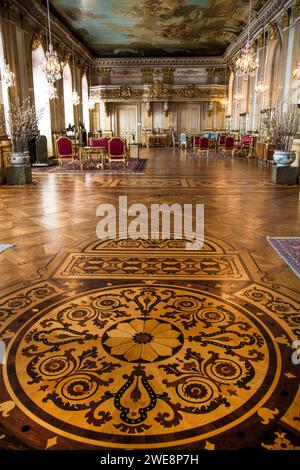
<point>52,91</point>
<point>224,103</point>
<point>247,63</point>
<point>91,103</point>
<point>261,88</point>
<point>238,98</point>
<point>51,66</point>
<point>75,98</point>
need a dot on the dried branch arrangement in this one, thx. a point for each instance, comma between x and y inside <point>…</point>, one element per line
<point>23,123</point>
<point>280,126</point>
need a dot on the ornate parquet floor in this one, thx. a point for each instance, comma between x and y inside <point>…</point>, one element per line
<point>143,344</point>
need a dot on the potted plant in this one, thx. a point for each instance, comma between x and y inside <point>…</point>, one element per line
<point>280,125</point>
<point>23,125</point>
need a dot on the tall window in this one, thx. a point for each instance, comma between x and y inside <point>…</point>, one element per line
<point>85,103</point>
<point>41,96</point>
<point>4,97</point>
<point>69,111</point>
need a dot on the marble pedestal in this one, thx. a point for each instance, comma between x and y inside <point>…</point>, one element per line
<point>284,175</point>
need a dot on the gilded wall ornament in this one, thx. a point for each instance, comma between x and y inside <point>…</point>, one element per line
<point>158,90</point>
<point>38,40</point>
<point>296,9</point>
<point>273,31</point>
<point>285,18</point>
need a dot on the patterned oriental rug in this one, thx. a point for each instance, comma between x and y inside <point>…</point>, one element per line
<point>121,168</point>
<point>288,249</point>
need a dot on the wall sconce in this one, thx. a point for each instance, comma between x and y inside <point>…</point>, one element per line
<point>107,109</point>
<point>210,109</point>
<point>148,108</point>
<point>166,109</point>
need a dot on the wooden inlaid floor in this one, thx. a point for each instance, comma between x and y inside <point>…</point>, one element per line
<point>143,344</point>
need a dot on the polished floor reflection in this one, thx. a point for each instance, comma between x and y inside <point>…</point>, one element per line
<point>135,344</point>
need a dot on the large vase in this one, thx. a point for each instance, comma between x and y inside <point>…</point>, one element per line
<point>282,158</point>
<point>19,159</point>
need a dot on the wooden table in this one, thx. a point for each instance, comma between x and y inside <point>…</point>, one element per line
<point>160,140</point>
<point>86,155</point>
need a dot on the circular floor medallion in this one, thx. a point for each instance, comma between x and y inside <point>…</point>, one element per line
<point>122,364</point>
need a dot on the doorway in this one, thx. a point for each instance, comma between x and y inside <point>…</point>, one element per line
<point>126,122</point>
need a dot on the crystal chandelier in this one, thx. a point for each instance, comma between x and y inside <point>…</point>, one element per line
<point>224,103</point>
<point>75,98</point>
<point>51,65</point>
<point>52,91</point>
<point>261,88</point>
<point>8,76</point>
<point>296,74</point>
<point>247,63</point>
<point>92,104</point>
<point>238,98</point>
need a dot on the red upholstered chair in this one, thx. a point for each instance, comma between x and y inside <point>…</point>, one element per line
<point>117,150</point>
<point>244,145</point>
<point>103,142</point>
<point>196,142</point>
<point>221,141</point>
<point>229,146</point>
<point>64,149</point>
<point>203,146</point>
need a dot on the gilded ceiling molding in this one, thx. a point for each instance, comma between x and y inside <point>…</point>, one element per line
<point>38,40</point>
<point>261,40</point>
<point>8,10</point>
<point>158,92</point>
<point>269,11</point>
<point>37,13</point>
<point>296,9</point>
<point>123,93</point>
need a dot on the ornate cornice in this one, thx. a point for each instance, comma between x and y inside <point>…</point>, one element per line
<point>35,10</point>
<point>158,62</point>
<point>264,17</point>
<point>159,92</point>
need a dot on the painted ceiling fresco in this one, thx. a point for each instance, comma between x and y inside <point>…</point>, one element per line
<point>155,27</point>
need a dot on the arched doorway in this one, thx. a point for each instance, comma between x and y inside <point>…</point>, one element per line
<point>41,96</point>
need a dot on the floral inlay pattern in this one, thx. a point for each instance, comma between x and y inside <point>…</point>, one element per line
<point>141,362</point>
<point>142,340</point>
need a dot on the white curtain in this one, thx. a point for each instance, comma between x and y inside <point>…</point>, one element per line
<point>41,96</point>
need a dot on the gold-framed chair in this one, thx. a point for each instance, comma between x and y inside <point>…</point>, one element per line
<point>117,150</point>
<point>64,149</point>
